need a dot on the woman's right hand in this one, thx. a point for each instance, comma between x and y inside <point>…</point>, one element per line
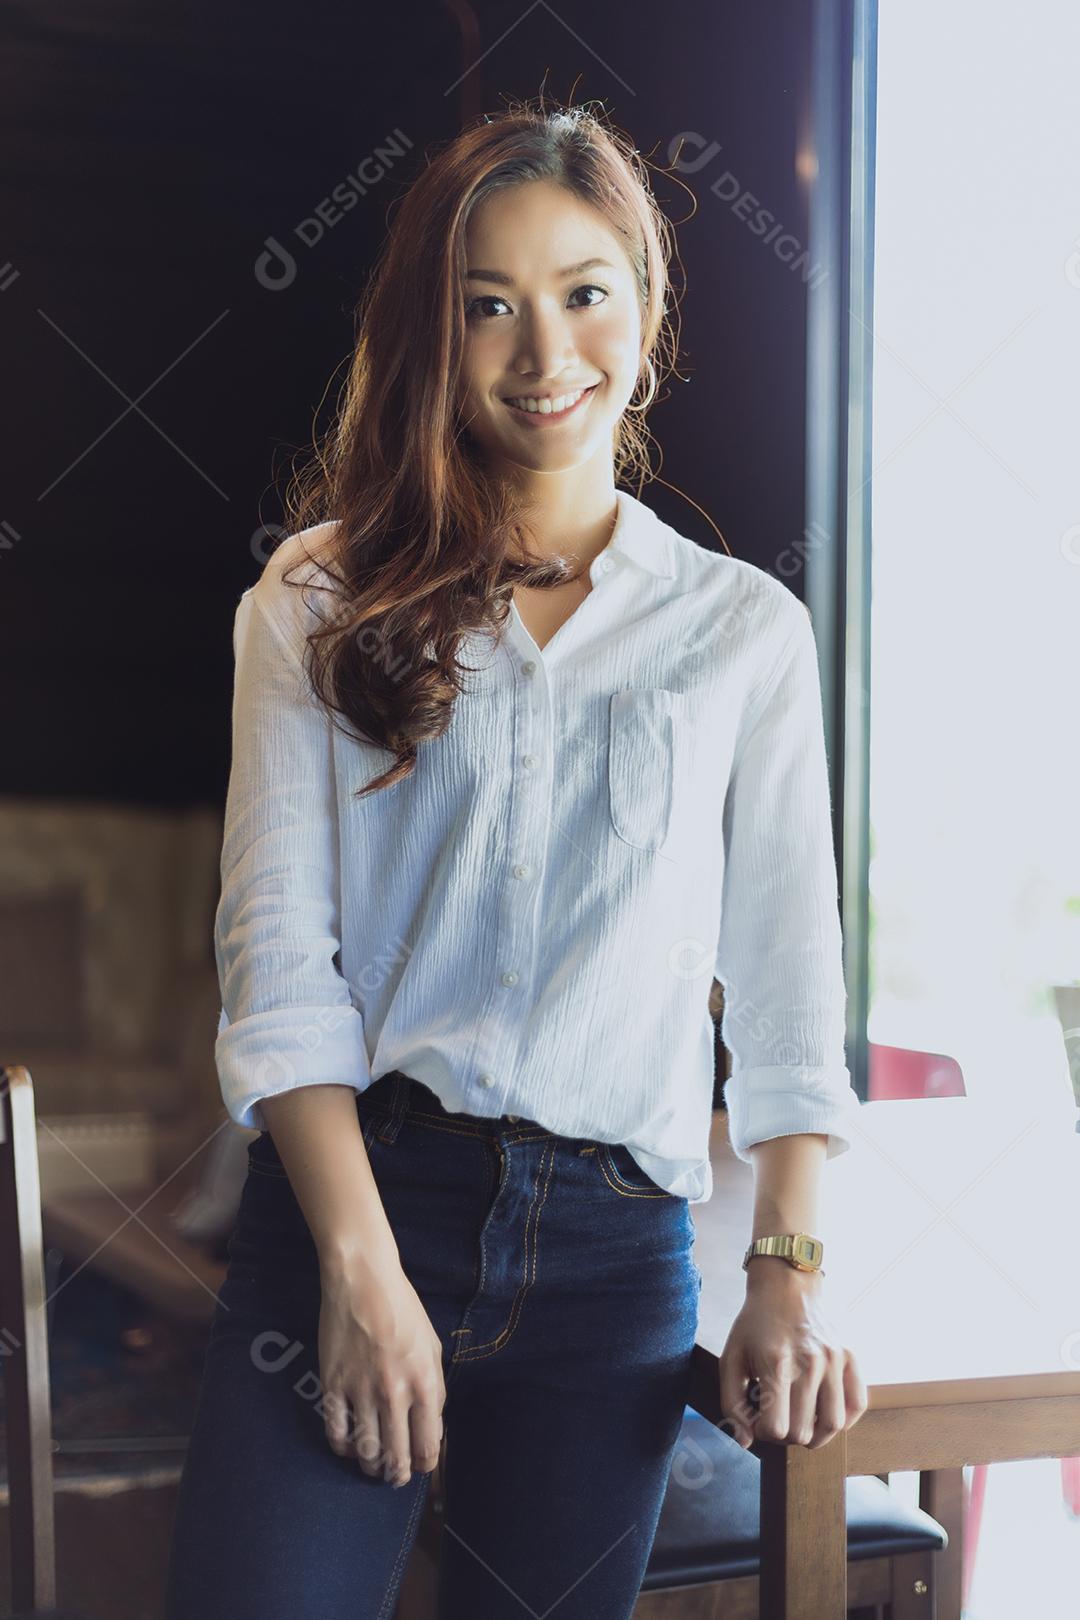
<point>380,1366</point>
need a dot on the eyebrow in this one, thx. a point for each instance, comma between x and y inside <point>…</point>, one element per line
<point>504,280</point>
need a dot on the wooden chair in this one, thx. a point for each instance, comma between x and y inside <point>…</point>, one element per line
<point>705,1559</point>
<point>25,1356</point>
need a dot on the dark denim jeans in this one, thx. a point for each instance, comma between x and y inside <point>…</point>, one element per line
<point>560,1280</point>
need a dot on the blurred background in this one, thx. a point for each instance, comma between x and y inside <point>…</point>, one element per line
<point>878,227</point>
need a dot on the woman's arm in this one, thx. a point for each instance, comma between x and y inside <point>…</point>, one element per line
<point>291,1044</point>
<point>287,1014</point>
<point>380,1358</point>
<point>779,953</point>
<point>291,1053</point>
<point>783,1376</point>
<point>318,1138</point>
<point>787,1181</point>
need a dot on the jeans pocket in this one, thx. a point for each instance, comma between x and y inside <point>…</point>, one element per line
<point>621,1172</point>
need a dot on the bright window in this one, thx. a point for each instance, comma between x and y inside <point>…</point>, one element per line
<point>975,728</point>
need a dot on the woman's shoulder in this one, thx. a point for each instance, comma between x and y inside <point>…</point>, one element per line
<point>295,587</point>
<point>742,595</point>
<point>306,557</point>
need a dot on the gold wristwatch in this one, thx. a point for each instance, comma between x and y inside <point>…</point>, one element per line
<point>797,1248</point>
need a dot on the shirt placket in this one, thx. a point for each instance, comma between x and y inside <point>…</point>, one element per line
<point>531,790</point>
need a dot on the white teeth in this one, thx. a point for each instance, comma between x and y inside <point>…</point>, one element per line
<point>549,407</point>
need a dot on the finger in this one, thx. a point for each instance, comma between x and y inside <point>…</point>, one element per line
<point>855,1396</point>
<point>831,1410</point>
<point>803,1393</point>
<point>774,1419</point>
<point>365,1435</point>
<point>426,1430</point>
<point>734,1375</point>
<point>336,1421</point>
<point>394,1403</point>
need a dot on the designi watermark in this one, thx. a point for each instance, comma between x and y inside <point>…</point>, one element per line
<point>276,267</point>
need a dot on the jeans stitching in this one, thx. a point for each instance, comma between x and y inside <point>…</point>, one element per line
<point>450,1129</point>
<point>459,1350</point>
<point>273,1167</point>
<point>462,1127</point>
<point>477,1133</point>
<point>528,1276</point>
<point>268,1170</point>
<point>621,1186</point>
<point>390,1595</point>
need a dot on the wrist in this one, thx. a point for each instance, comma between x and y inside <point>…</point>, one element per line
<point>345,1256</point>
<point>772,1271</point>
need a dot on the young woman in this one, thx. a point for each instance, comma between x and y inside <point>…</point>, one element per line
<point>517,769</point>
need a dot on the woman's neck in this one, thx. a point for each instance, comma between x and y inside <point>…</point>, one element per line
<point>571,516</point>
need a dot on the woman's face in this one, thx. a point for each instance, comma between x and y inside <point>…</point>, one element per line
<point>538,328</point>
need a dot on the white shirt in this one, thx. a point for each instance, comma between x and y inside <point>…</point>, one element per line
<point>531,922</point>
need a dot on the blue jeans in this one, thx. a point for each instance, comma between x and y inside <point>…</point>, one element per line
<point>560,1280</point>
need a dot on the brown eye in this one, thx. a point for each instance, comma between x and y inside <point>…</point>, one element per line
<point>590,287</point>
<point>472,308</point>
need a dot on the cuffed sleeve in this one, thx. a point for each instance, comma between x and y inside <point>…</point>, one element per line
<point>287,1017</point>
<point>779,954</point>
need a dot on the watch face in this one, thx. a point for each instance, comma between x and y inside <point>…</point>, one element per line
<point>806,1250</point>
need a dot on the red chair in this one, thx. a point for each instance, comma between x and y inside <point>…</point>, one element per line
<point>895,1072</point>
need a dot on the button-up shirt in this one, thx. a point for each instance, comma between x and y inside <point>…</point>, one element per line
<point>530,923</point>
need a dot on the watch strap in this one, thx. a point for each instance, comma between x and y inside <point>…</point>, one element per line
<point>799,1249</point>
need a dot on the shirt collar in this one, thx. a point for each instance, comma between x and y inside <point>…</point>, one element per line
<point>640,537</point>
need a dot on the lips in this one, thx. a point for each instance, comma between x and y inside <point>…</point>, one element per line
<point>540,418</point>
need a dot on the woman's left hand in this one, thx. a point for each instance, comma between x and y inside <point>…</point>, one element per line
<point>808,1386</point>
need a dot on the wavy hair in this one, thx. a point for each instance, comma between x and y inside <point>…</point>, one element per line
<point>425,543</point>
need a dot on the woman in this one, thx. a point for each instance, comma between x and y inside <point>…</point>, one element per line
<point>516,770</point>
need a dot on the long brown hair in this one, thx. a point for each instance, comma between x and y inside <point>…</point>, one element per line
<point>424,542</point>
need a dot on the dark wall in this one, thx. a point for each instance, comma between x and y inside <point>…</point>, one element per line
<point>159,382</point>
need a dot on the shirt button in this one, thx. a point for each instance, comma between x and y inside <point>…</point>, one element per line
<point>605,565</point>
<point>509,977</point>
<point>521,871</point>
<point>529,668</point>
<point>528,760</point>
<point>487,1079</point>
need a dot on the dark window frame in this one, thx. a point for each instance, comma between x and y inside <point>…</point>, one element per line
<point>841,134</point>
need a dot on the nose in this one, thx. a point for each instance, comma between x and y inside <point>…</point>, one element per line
<point>547,346</point>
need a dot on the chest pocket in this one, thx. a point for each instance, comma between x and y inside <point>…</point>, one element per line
<point>644,734</point>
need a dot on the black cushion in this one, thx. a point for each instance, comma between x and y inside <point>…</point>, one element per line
<point>709,1527</point>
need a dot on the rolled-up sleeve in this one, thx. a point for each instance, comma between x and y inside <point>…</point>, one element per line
<point>779,954</point>
<point>287,1016</point>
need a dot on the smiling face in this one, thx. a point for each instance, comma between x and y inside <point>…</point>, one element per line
<point>552,346</point>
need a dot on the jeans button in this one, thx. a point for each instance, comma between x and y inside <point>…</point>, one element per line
<point>513,1118</point>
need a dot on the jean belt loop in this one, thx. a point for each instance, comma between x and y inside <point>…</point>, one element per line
<point>399,1103</point>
